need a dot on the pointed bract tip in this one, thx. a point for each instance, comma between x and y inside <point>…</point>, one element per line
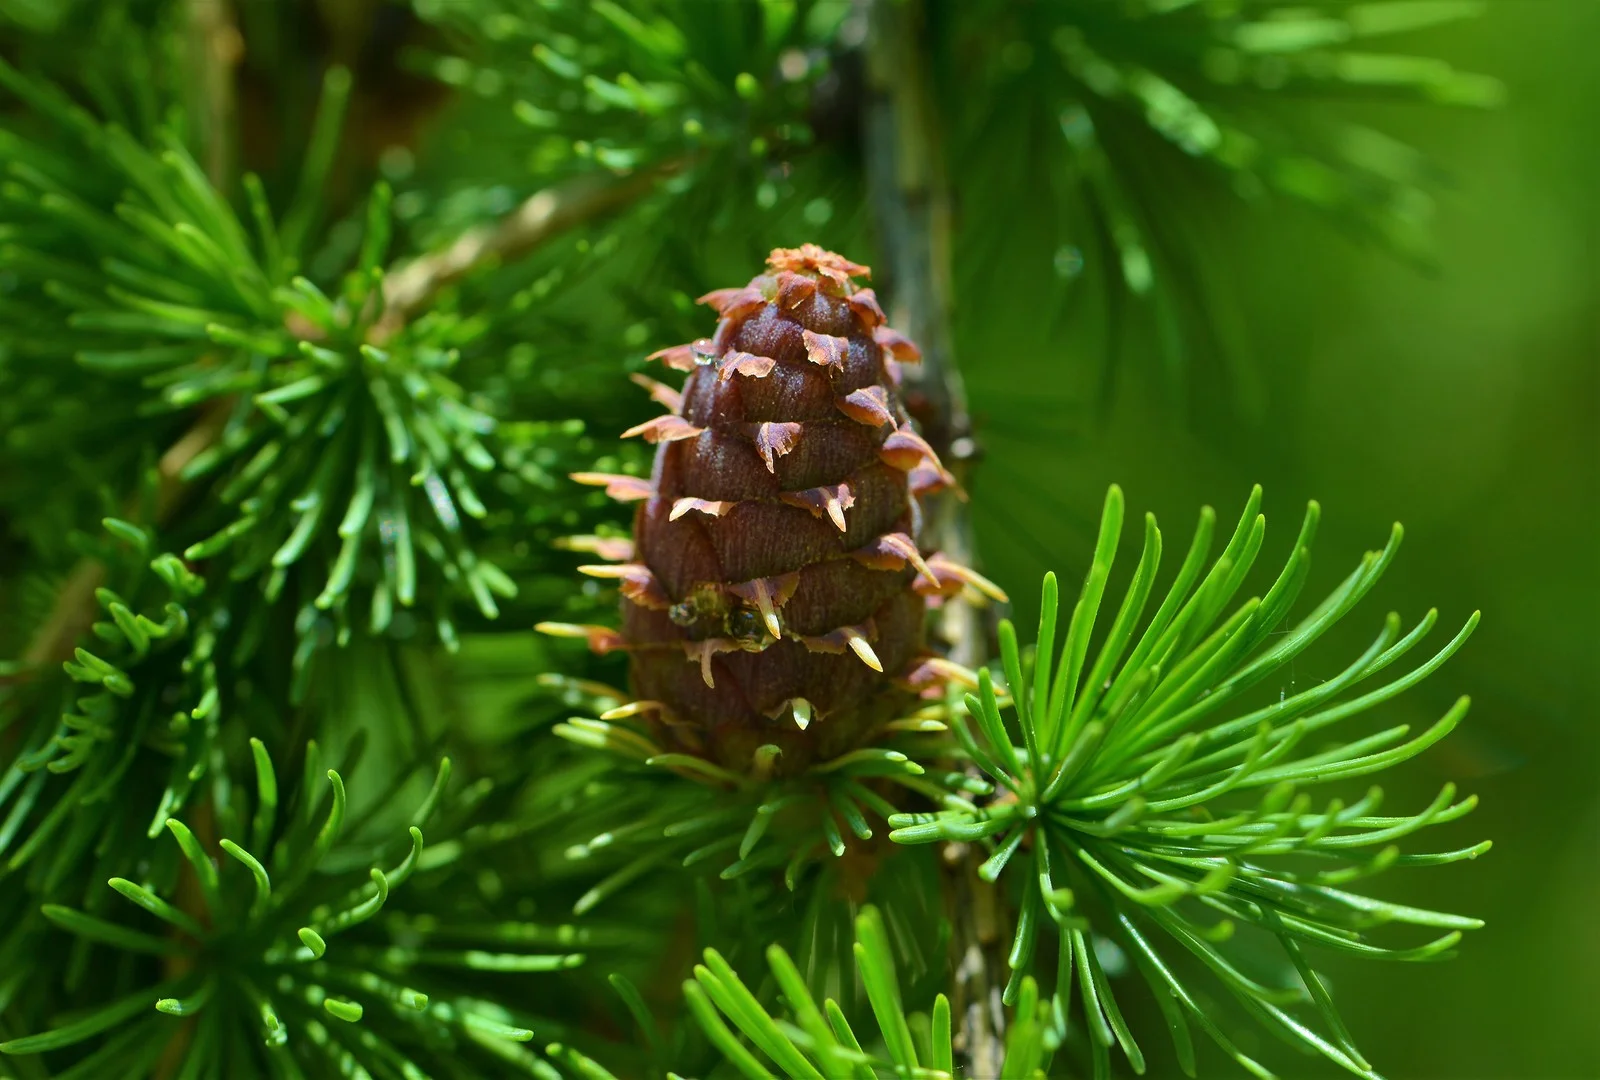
<point>601,639</point>
<point>618,486</point>
<point>863,649</point>
<point>667,428</point>
<point>715,508</point>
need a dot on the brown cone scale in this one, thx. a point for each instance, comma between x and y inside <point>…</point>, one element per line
<point>775,593</point>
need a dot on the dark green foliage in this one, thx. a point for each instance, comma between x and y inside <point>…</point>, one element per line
<point>174,304</point>
<point>125,735</point>
<point>270,954</point>
<point>744,110</point>
<point>1128,113</point>
<point>649,82</point>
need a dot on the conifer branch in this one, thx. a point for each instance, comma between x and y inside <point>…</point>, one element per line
<point>910,195</point>
<point>1124,807</point>
<point>541,216</point>
<point>215,48</point>
<point>409,289</point>
<point>76,607</point>
<point>300,407</point>
<point>69,619</point>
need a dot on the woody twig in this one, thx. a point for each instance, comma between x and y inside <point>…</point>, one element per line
<point>911,203</point>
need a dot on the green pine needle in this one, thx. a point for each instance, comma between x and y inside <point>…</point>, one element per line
<point>268,958</point>
<point>741,824</point>
<point>809,1046</point>
<point>1153,805</point>
<point>343,444</point>
<point>128,732</point>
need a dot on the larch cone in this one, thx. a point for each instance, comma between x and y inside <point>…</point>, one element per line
<point>775,592</point>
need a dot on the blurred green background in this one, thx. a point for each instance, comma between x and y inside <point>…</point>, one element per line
<point>1463,403</point>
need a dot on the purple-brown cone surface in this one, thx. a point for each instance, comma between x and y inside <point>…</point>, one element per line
<point>775,592</point>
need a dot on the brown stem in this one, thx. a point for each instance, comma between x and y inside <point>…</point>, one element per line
<point>911,203</point>
<point>75,605</point>
<point>910,196</point>
<point>215,49</point>
<point>541,216</point>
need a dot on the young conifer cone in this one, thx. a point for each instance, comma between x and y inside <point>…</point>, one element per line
<point>775,592</point>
